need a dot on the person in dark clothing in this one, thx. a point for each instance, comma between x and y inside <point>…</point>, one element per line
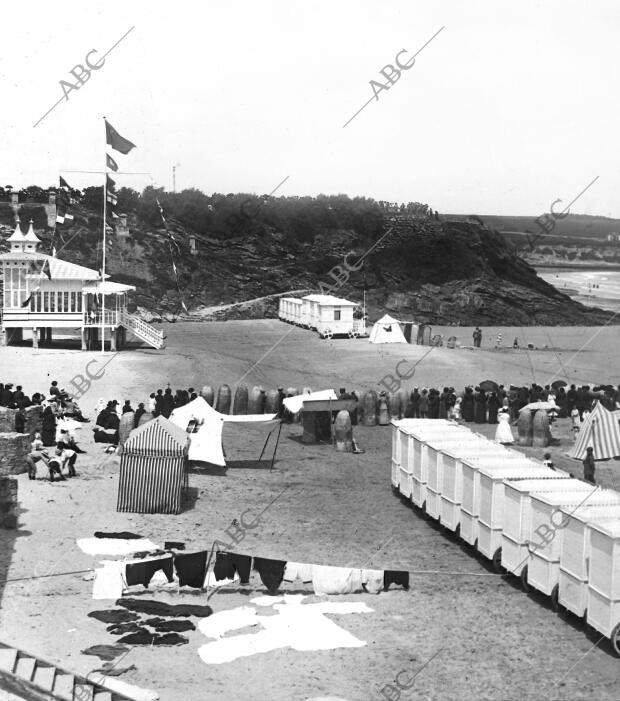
<point>501,394</point>
<point>112,420</point>
<point>167,403</point>
<point>582,401</point>
<point>37,398</point>
<point>6,397</point>
<point>467,405</point>
<point>139,411</point>
<point>18,395</point>
<point>48,427</point>
<point>127,406</point>
<point>523,397</point>
<point>424,404</point>
<point>442,412</point>
<point>607,401</point>
<point>589,466</point>
<point>54,391</point>
<point>562,401</point>
<point>415,404</point>
<point>178,398</point>
<point>480,409</point>
<point>433,404</point>
<point>544,395</point>
<point>493,405</point>
<point>20,422</point>
<point>534,393</point>
<point>571,398</point>
<point>159,402</point>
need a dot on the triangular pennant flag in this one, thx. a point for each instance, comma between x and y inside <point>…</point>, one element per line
<point>26,302</point>
<point>109,183</point>
<point>110,162</point>
<point>63,182</point>
<point>114,215</point>
<point>116,141</point>
<point>60,218</point>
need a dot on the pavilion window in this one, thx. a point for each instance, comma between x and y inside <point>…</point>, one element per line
<point>79,301</point>
<point>52,301</point>
<point>65,300</point>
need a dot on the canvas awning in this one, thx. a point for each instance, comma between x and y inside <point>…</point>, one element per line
<point>205,444</point>
<point>108,288</point>
<point>294,404</point>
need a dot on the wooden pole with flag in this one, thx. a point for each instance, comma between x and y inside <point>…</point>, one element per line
<point>105,197</point>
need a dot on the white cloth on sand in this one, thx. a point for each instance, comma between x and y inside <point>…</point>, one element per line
<point>373,580</point>
<point>115,546</point>
<point>503,434</point>
<point>297,625</point>
<point>109,583</point>
<point>298,570</point>
<point>336,580</point>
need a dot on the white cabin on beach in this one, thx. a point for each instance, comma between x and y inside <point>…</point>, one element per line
<point>42,292</point>
<point>330,316</point>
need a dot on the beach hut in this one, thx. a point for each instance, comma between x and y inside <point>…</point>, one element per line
<point>604,580</point>
<point>544,564</point>
<point>517,506</point>
<point>601,431</point>
<point>485,453</point>
<point>387,330</point>
<point>575,553</point>
<point>153,471</point>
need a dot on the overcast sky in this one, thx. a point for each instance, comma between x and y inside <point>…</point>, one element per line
<point>512,105</point>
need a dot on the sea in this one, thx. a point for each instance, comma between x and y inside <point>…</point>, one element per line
<point>594,288</point>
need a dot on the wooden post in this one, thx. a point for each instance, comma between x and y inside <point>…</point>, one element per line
<point>35,337</point>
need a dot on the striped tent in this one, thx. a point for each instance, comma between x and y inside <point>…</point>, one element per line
<point>601,431</point>
<point>153,473</point>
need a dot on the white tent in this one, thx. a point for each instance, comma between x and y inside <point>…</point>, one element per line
<point>205,444</point>
<point>387,330</point>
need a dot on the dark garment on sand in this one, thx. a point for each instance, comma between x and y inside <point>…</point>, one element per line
<point>122,535</point>
<point>105,652</point>
<point>174,626</point>
<point>159,608</point>
<point>271,572</point>
<point>147,638</point>
<point>124,628</point>
<point>114,616</point>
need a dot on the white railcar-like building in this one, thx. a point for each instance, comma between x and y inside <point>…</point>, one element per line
<point>329,316</point>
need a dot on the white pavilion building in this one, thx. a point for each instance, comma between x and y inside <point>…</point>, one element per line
<point>42,292</point>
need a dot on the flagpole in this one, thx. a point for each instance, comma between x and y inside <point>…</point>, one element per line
<point>105,197</point>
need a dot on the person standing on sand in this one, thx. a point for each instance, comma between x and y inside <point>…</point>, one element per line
<point>589,466</point>
<point>423,404</point>
<point>480,411</point>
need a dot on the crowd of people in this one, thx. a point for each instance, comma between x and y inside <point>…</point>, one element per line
<point>478,405</point>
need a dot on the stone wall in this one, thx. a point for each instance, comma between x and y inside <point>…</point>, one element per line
<point>13,450</point>
<point>8,502</point>
<point>33,420</point>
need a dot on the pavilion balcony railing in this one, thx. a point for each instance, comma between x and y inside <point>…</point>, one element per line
<point>112,318</point>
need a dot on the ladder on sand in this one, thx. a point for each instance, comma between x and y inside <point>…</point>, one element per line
<point>29,677</point>
<point>142,329</point>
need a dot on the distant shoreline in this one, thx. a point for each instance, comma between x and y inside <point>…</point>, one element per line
<point>576,266</point>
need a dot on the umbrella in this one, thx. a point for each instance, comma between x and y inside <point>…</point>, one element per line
<point>489,386</point>
<point>558,383</point>
<point>534,406</point>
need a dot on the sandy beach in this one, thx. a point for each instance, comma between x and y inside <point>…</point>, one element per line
<point>494,641</point>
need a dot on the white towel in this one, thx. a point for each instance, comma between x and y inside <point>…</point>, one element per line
<point>336,580</point>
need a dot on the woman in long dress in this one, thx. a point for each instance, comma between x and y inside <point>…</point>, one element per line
<point>48,426</point>
<point>503,434</point>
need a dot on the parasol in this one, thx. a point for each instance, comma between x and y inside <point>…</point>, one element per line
<point>489,386</point>
<point>558,383</point>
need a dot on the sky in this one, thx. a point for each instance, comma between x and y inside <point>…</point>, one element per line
<point>510,107</point>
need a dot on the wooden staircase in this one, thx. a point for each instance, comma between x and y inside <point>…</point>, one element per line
<point>143,330</point>
<point>34,679</point>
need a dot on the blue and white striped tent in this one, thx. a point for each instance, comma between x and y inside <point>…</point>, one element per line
<point>601,431</point>
<point>153,473</point>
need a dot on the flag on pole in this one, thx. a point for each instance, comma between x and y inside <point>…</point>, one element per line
<point>111,198</point>
<point>110,162</point>
<point>116,141</point>
<point>114,215</point>
<point>63,182</point>
<point>60,218</point>
<point>110,184</point>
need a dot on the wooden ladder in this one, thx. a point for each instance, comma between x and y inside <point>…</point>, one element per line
<point>34,679</point>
